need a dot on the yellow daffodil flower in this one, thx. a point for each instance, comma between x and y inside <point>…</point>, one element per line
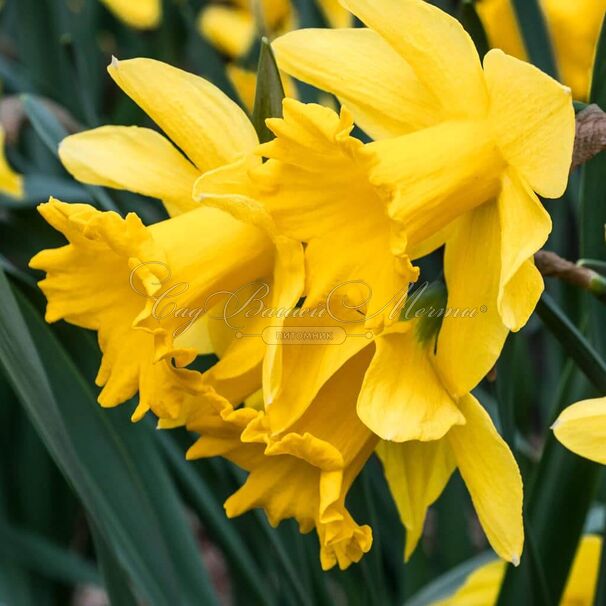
<point>11,182</point>
<point>232,28</point>
<point>316,186</point>
<point>197,252</point>
<point>574,28</point>
<point>582,429</point>
<point>141,14</point>
<point>302,471</point>
<point>459,153</point>
<point>482,586</point>
<point>417,472</point>
<point>112,272</point>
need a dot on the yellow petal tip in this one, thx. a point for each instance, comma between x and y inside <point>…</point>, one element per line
<point>515,560</point>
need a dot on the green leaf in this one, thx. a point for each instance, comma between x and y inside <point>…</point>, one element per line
<point>115,579</point>
<point>468,16</point>
<point>593,200</point>
<point>51,132</point>
<point>10,269</point>
<point>213,517</point>
<point>36,553</point>
<point>38,188</point>
<point>593,219</point>
<point>574,343</point>
<point>557,500</point>
<point>130,509</point>
<point>45,123</point>
<point>269,93</point>
<point>536,35</point>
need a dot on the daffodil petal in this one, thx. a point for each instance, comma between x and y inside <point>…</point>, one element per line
<point>237,375</point>
<point>294,373</point>
<point>417,473</point>
<point>582,429</point>
<point>288,274</point>
<point>435,45</point>
<point>492,477</point>
<point>383,93</point>
<point>519,298</point>
<point>525,227</point>
<point>480,588</point>
<point>533,120</point>
<point>142,14</point>
<point>131,158</point>
<point>472,333</point>
<point>208,126</point>
<point>402,397</point>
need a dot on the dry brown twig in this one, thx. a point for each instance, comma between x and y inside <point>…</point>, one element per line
<point>590,137</point>
<point>553,266</point>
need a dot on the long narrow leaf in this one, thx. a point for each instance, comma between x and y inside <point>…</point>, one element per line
<point>51,132</point>
<point>38,554</point>
<point>536,37</point>
<point>90,454</point>
<point>269,93</point>
<point>114,577</point>
<point>214,517</point>
<point>576,345</point>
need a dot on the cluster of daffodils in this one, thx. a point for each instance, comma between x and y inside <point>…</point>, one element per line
<point>291,262</point>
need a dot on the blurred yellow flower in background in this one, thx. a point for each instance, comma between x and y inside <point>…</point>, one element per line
<point>482,586</point>
<point>234,26</point>
<point>141,14</point>
<point>574,28</point>
<point>233,29</point>
<point>11,182</point>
